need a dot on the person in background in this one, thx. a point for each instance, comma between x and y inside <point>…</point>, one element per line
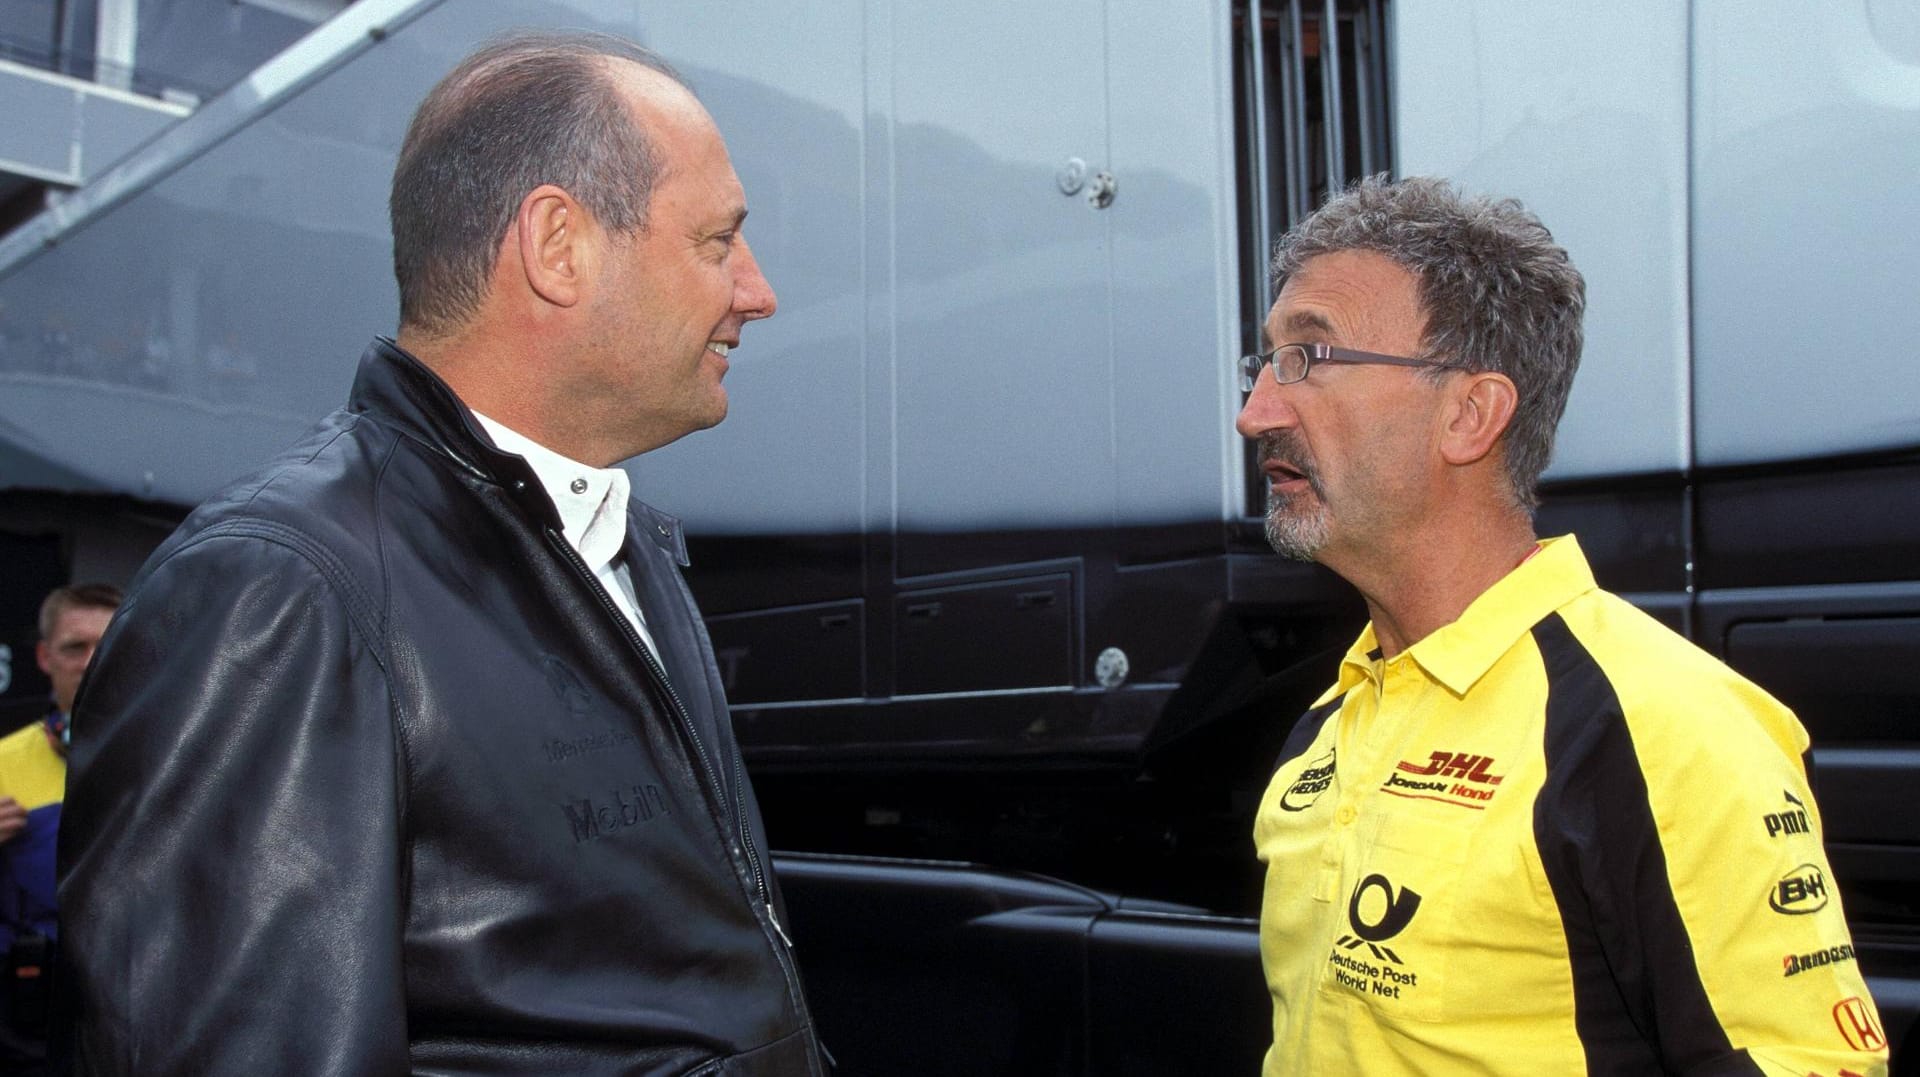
<point>33,782</point>
<point>1529,830</point>
<point>408,752</point>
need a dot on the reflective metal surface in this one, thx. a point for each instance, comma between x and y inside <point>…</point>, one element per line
<point>1538,102</point>
<point>1806,239</point>
<point>904,205</point>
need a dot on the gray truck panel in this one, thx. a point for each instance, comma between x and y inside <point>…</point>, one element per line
<point>1579,111</point>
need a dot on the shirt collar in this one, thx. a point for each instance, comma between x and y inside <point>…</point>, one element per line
<point>592,501</point>
<point>1459,654</point>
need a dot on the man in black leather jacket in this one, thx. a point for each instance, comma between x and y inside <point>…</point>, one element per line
<point>408,752</point>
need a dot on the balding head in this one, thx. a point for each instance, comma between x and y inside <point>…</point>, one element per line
<point>527,109</point>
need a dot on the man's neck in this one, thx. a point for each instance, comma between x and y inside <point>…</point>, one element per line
<point>497,373</point>
<point>1425,583</point>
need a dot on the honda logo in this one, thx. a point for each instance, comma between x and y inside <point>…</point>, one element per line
<point>1858,1024</point>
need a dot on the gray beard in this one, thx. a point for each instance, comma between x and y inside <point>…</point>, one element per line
<point>1297,532</point>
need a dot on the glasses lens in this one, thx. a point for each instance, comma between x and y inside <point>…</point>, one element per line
<point>1250,371</point>
<point>1290,363</point>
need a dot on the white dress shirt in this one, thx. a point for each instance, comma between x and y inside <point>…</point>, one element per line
<point>593,515</point>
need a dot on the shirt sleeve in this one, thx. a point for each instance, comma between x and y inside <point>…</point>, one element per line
<point>231,855</point>
<point>1683,845</point>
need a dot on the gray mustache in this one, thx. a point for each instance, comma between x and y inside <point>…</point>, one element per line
<point>1283,447</point>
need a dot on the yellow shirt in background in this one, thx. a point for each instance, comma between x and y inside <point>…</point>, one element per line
<point>31,772</point>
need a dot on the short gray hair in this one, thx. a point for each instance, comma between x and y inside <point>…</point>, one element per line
<point>528,108</point>
<point>1499,294</point>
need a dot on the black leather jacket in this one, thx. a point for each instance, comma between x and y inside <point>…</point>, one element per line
<point>370,777</point>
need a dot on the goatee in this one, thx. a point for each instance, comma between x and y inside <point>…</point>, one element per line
<point>1296,523</point>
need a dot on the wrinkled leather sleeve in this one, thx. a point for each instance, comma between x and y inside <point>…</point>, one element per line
<point>232,871</point>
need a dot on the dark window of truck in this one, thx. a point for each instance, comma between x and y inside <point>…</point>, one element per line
<point>1312,113</point>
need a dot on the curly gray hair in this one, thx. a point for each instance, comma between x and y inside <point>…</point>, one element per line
<point>1499,294</point>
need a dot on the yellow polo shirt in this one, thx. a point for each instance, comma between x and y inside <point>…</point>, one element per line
<point>1553,837</point>
<point>31,771</point>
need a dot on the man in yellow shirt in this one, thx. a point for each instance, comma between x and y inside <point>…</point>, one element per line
<point>1529,830</point>
<point>33,781</point>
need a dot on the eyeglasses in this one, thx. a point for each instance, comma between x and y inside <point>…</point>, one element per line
<point>1291,362</point>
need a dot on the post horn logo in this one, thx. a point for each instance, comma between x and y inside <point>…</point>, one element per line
<point>1392,921</point>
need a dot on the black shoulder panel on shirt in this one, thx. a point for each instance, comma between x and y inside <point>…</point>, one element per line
<point>1306,728</point>
<point>1639,1005</point>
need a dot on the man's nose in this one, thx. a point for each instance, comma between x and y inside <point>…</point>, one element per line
<point>1266,409</point>
<point>752,296</point>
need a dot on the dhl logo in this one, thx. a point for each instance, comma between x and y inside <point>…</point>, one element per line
<point>1461,765</point>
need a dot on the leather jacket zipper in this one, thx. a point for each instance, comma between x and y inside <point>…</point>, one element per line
<point>753,857</point>
<point>730,804</point>
<point>572,557</point>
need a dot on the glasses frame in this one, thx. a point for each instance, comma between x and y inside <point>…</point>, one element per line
<point>1249,365</point>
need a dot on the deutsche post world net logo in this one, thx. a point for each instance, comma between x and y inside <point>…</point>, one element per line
<point>1375,914</point>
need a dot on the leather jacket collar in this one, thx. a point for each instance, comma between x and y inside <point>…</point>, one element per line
<point>396,388</point>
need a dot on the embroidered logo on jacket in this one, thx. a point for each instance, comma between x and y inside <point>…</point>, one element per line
<point>1800,891</point>
<point>559,750</point>
<point>1394,912</point>
<point>1795,964</point>
<point>1858,1025</point>
<point>1792,820</point>
<point>589,818</point>
<point>1313,781</point>
<point>567,685</point>
<point>1457,778</point>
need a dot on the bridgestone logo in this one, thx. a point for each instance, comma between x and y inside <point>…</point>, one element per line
<point>1833,955</point>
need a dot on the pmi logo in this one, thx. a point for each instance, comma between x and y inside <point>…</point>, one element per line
<point>1801,891</point>
<point>1394,917</point>
<point>1859,1025</point>
<point>1793,820</point>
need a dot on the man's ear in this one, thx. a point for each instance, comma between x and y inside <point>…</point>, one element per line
<point>552,241</point>
<point>1482,409</point>
<point>43,657</point>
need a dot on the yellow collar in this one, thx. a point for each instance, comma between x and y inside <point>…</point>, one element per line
<point>1460,653</point>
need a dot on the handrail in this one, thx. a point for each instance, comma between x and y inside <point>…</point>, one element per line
<point>329,47</point>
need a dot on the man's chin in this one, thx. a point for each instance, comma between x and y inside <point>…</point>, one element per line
<point>1296,536</point>
<point>708,411</point>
